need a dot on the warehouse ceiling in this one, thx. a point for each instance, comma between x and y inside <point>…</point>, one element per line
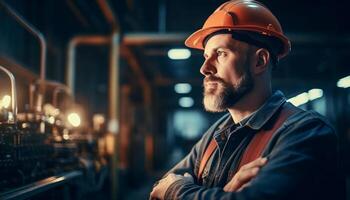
<point>319,32</point>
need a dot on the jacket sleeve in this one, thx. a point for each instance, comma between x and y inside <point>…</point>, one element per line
<point>303,156</point>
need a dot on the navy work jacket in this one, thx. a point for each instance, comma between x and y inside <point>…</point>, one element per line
<point>303,159</point>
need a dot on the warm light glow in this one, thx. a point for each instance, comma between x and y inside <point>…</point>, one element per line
<point>315,94</point>
<point>344,82</point>
<point>5,101</point>
<point>51,110</point>
<point>179,54</point>
<point>51,120</point>
<point>98,121</point>
<point>183,88</point>
<point>74,119</point>
<point>65,136</point>
<point>299,99</point>
<point>56,112</point>
<point>99,118</point>
<point>305,97</point>
<point>186,102</point>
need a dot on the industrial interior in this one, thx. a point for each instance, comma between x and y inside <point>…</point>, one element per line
<point>99,98</point>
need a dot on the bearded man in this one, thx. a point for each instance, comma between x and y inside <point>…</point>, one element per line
<point>263,147</point>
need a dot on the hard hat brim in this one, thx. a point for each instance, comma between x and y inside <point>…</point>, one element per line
<point>196,40</point>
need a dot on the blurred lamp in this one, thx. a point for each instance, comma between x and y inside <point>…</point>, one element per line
<point>74,119</point>
<point>315,94</point>
<point>344,82</point>
<point>305,97</point>
<point>5,101</point>
<point>300,99</point>
<point>186,102</point>
<point>51,110</point>
<point>183,88</point>
<point>98,121</point>
<point>179,54</point>
<point>51,120</point>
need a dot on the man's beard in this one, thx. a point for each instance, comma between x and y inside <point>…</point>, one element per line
<point>225,95</point>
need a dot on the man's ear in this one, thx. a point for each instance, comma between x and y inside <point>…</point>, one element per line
<point>262,61</point>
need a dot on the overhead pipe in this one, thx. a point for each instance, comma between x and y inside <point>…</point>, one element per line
<point>128,39</point>
<point>43,49</point>
<point>153,38</point>
<point>71,56</point>
<point>13,92</point>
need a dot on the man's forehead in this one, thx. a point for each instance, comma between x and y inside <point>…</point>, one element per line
<point>221,41</point>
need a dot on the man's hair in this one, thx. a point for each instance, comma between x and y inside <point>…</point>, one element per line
<point>272,44</point>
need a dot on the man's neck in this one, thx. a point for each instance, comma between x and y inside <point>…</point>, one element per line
<point>248,104</point>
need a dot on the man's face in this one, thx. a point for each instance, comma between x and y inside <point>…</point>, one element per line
<point>227,72</point>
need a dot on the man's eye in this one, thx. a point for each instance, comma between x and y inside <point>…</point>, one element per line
<point>221,53</point>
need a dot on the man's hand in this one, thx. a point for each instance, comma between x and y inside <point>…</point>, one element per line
<point>159,190</point>
<point>245,174</point>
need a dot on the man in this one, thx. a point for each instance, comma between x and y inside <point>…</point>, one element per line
<point>242,42</point>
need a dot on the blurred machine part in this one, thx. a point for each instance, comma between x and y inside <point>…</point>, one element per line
<point>46,147</point>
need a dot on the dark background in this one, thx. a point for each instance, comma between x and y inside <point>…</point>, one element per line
<point>319,32</point>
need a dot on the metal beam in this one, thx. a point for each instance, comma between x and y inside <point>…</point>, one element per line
<point>109,15</point>
<point>153,38</point>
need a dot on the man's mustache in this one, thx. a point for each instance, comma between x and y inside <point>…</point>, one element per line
<point>213,79</point>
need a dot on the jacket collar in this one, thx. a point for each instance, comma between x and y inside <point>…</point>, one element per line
<point>259,118</point>
<point>266,111</point>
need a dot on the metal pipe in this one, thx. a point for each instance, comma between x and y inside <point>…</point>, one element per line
<point>113,108</point>
<point>114,103</point>
<point>109,15</point>
<point>72,46</point>
<point>59,87</point>
<point>13,92</point>
<point>136,68</point>
<point>113,84</point>
<point>153,38</point>
<point>31,29</point>
<point>57,90</point>
<point>114,118</point>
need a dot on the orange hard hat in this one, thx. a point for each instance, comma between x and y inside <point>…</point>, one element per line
<point>241,15</point>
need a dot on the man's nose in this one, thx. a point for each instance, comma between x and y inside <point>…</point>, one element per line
<point>208,68</point>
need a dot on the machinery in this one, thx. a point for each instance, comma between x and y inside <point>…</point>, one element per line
<point>47,148</point>
<point>38,145</point>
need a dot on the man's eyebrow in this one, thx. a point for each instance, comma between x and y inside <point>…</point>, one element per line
<point>224,47</point>
<point>211,50</point>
